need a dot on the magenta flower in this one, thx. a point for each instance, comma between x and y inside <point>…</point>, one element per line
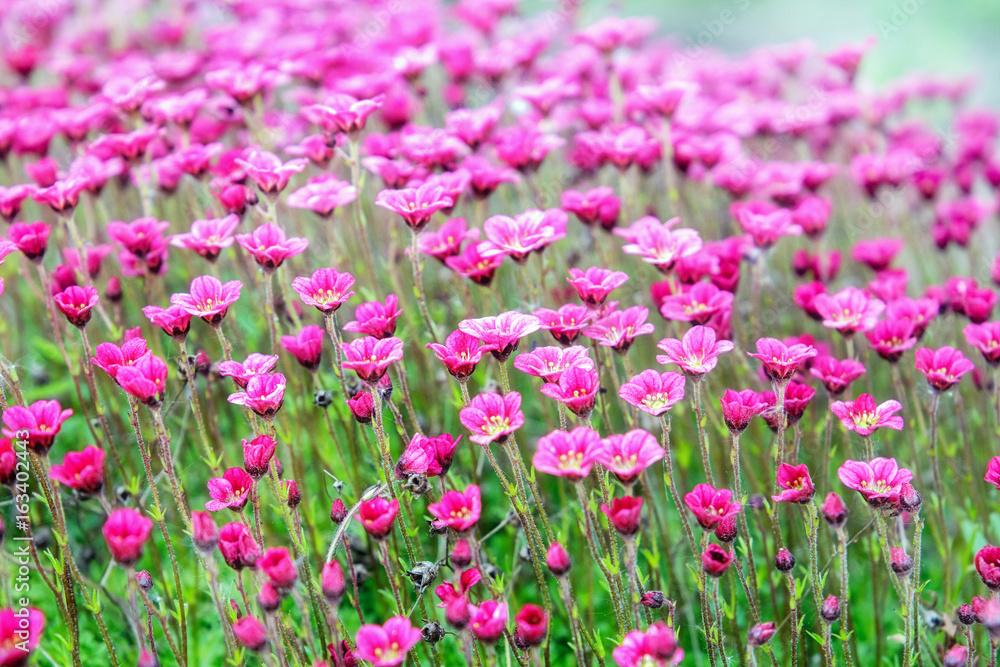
<point>263,394</point>
<point>376,319</point>
<point>570,455</point>
<point>488,620</point>
<point>81,471</point>
<point>175,320</point>
<point>577,390</point>
<point>427,456</point>
<point>876,254</point>
<point>864,417</point>
<point>988,566</point>
<point>485,177</point>
<point>11,199</point>
<point>109,357</point>
<point>306,346</point>
<point>492,417</point>
<point>377,515</point>
<point>740,407</point>
<point>618,329</point>
<point>62,195</point>
<point>657,647</point>
<point>501,333</point>
<point>798,486</point>
<point>594,284</point>
<point>848,311</point>
<point>943,367</point>
<point>523,148</point>
<point>985,338</point>
<point>709,506</point>
<point>323,196</point>
<point>326,289</point>
<point>696,303</point>
<point>370,357</point>
<point>457,510</point>
<point>344,113</point>
<point>624,514</point>
<point>415,205</point>
<point>268,171</point>
<point>76,303</point>
<point>460,353</point>
<point>20,634</point>
<point>138,237</point>
<point>208,237</point>
<point>386,645</point>
<point>254,364</point>
<point>31,238</point>
<point>209,298</point>
<point>653,393</point>
<point>549,363</point>
<point>766,228</point>
<point>447,240</point>
<point>476,262</point>
<point>145,379</point>
<point>836,375</point>
<point>696,354</point>
<point>125,531</point>
<point>657,244</point>
<point>993,472</point>
<point>519,236</point>
<point>565,324</point>
<point>269,246</point>
<point>598,206</point>
<point>279,567</point>
<point>781,362</point>
<point>879,481</point>
<point>237,546</point>
<point>627,456</point>
<point>232,490</point>
<point>892,337</point>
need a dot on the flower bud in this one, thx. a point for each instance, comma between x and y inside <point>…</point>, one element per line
<point>910,499</point>
<point>532,625</point>
<point>269,598</point>
<point>113,292</point>
<point>784,560</point>
<point>251,633</point>
<point>294,495</point>
<point>726,530</point>
<point>653,599</point>
<point>834,510</point>
<point>900,562</point>
<point>144,580</point>
<point>461,555</point>
<point>662,642</point>
<point>624,514</point>
<point>362,407</point>
<point>966,615</point>
<point>257,454</point>
<point>337,511</point>
<point>761,634</point>
<point>332,582</point>
<point>830,611</point>
<point>457,613</point>
<point>147,659</point>
<point>278,565</point>
<point>715,560</point>
<point>205,532</point>
<point>957,656</point>
<point>557,560</point>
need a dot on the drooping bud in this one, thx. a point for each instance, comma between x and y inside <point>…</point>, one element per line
<point>337,511</point>
<point>144,580</point>
<point>784,560</point>
<point>204,531</point>
<point>269,598</point>
<point>910,499</point>
<point>715,560</point>
<point>761,634</point>
<point>457,613</point>
<point>834,510</point>
<point>830,611</point>
<point>461,555</point>
<point>294,494</point>
<point>726,530</point>
<point>900,562</point>
<point>332,582</point>
<point>653,599</point>
<point>557,560</point>
<point>966,615</point>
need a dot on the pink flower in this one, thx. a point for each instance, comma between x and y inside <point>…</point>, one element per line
<point>836,375</point>
<point>370,357</point>
<point>565,324</point>
<point>109,357</point>
<point>943,367</point>
<point>988,566</point>
<point>709,506</point>
<point>250,633</point>
<point>715,560</point>
<point>268,171</point>
<point>269,246</point>
<point>657,244</point>
<point>488,620</point>
<point>879,481</point>
<point>81,471</point>
<point>993,472</point>
<point>623,514</point>
<point>30,238</point>
<point>740,407</point>
<point>781,362</point>
<point>501,333</point>
<point>766,228</point>
<point>62,195</point>
<point>492,417</point>
<point>278,565</point>
<point>237,546</point>
<point>627,456</point>
<point>594,284</point>
<point>254,364</point>
<point>344,113</point>
<point>519,236</point>
<point>377,515</point>
<point>41,420</point>
<point>209,298</point>
<point>208,237</point>
<point>985,338</point>
<point>447,240</point>
<point>476,262</point>
<point>892,337</point>
<point>376,319</point>
<point>323,196</point>
<point>696,303</point>
<point>175,320</point>
<point>549,363</point>
<point>657,647</point>
<point>876,254</point>
<point>460,353</point>
<point>918,312</point>
<point>257,455</point>
<point>326,289</point>
<point>618,329</point>
<point>864,417</point>
<point>125,531</point>
<point>577,390</point>
<point>140,236</point>
<point>20,633</point>
<point>653,393</point>
<point>593,207</point>
<point>697,353</point>
<point>532,625</point>
<point>386,645</point>
<point>524,149</point>
<point>76,303</point>
<point>264,394</point>
<point>415,205</point>
<point>570,455</point>
<point>11,199</point>
<point>848,311</point>
<point>426,456</point>
<point>232,490</point>
<point>457,510</point>
<point>798,486</point>
<point>485,177</point>
<point>145,379</point>
<point>306,346</point>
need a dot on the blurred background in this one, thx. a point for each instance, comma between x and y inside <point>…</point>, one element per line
<point>954,38</point>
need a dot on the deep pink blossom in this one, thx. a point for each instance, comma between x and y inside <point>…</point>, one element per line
<point>623,514</point>
<point>619,328</point>
<point>237,546</point>
<point>488,620</point>
<point>268,172</point>
<point>269,246</point>
<point>232,490</point>
<point>457,510</point>
<point>848,311</point>
<point>709,506</point>
<point>943,367</point>
<point>140,236</point>
<point>376,319</point>
<point>549,363</point>
<point>864,417</point>
<point>577,390</point>
<point>477,262</point>
<point>696,353</point>
<point>766,228</point>
<point>891,338</point>
<point>415,205</point>
<point>985,338</point>
<point>76,303</point>
<point>279,567</point>
<point>386,645</point>
<point>993,472</point>
<point>567,323</point>
<point>658,244</point>
<point>598,206</point>
<point>326,289</point>
<point>594,284</point>
<point>836,375</point>
<point>254,364</point>
<point>696,303</point>
<point>628,455</point>
<point>208,237</point>
<point>879,481</point>
<point>519,236</point>
<point>323,195</point>
<point>377,515</point>
<point>656,647</point>
<point>81,471</point>
<point>306,346</point>
<point>740,407</point>
<point>370,357</point>
<point>341,112</point>
<point>174,320</point>
<point>460,353</point>
<point>125,531</point>
<point>447,240</point>
<point>145,379</point>
<point>31,238</point>
<point>492,417</point>
<point>209,298</point>
<point>876,254</point>
<point>264,394</point>
<point>20,634</point>
<point>798,486</point>
<point>109,357</point>
<point>570,455</point>
<point>653,393</point>
<point>501,333</point>
<point>781,361</point>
